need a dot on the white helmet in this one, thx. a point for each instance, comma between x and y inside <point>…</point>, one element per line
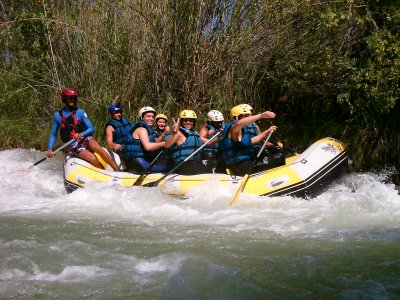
<point>248,106</point>
<point>146,109</point>
<point>215,116</point>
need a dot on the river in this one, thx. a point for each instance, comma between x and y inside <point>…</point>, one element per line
<point>108,242</point>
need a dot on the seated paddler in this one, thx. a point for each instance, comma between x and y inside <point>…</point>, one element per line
<point>273,145</point>
<point>145,147</point>
<point>215,123</point>
<point>184,141</point>
<point>162,132</point>
<point>238,142</point>
<point>117,131</point>
<point>74,123</point>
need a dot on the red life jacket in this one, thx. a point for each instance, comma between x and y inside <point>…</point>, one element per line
<point>70,125</point>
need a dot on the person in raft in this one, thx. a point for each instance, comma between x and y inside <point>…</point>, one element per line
<point>183,141</point>
<point>145,147</point>
<point>162,133</point>
<point>215,124</point>
<point>255,130</point>
<point>237,143</point>
<point>117,131</point>
<point>74,123</point>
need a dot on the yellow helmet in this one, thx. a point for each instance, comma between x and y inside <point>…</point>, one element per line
<point>239,110</point>
<point>161,116</point>
<point>247,106</point>
<point>187,114</point>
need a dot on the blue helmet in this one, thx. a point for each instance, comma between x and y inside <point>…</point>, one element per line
<point>114,108</point>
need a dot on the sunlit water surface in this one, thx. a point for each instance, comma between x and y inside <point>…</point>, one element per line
<point>110,242</point>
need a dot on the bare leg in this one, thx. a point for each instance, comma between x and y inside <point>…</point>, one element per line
<point>90,157</point>
<point>95,147</point>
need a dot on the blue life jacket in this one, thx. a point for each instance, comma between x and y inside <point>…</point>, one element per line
<point>167,152</point>
<point>192,143</point>
<point>158,133</point>
<point>138,149</point>
<point>215,147</point>
<point>235,152</point>
<point>123,136</point>
<point>252,127</point>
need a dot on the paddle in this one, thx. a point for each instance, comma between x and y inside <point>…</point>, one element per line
<point>43,159</point>
<point>55,151</point>
<point>246,177</point>
<point>157,182</point>
<point>141,178</point>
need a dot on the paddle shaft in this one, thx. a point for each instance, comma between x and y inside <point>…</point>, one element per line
<point>155,183</point>
<point>55,151</point>
<point>260,152</point>
<point>246,177</point>
<point>148,170</point>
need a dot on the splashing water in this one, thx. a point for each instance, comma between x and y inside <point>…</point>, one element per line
<point>114,242</point>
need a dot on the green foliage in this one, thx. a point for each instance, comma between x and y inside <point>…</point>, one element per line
<point>325,67</point>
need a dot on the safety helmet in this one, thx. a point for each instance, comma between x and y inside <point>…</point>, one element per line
<point>161,116</point>
<point>215,116</point>
<point>146,109</point>
<point>187,114</point>
<point>114,108</point>
<point>239,110</point>
<point>247,106</point>
<point>68,92</point>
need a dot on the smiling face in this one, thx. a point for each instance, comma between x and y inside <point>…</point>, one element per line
<point>187,123</point>
<point>148,118</point>
<point>161,124</point>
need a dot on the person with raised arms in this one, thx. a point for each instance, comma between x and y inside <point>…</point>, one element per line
<point>237,144</point>
<point>254,130</point>
<point>144,144</point>
<point>74,123</point>
<point>184,141</point>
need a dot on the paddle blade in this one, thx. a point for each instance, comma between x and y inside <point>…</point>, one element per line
<point>239,190</point>
<point>152,184</point>
<point>139,181</point>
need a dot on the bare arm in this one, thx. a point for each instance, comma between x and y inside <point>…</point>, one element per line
<point>251,119</point>
<point>162,136</point>
<point>236,130</point>
<point>143,136</point>
<point>204,132</point>
<point>109,139</point>
<point>176,136</point>
<point>258,138</point>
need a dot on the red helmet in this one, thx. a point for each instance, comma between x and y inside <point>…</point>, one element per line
<point>68,92</point>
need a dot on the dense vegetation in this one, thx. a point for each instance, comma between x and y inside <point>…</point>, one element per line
<point>327,68</point>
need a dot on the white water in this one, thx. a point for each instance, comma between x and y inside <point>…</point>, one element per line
<point>119,242</point>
